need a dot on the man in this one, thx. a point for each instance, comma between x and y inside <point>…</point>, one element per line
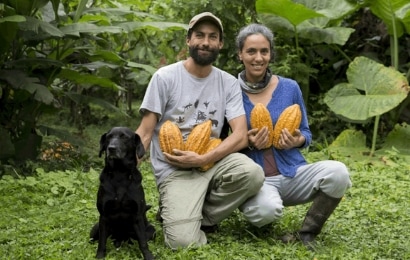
<point>187,93</point>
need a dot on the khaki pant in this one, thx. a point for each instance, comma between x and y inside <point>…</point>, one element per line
<point>190,198</point>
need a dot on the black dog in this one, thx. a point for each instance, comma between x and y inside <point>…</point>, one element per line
<point>121,198</point>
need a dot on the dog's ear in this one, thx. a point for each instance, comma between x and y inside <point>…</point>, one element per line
<point>103,144</point>
<point>140,147</point>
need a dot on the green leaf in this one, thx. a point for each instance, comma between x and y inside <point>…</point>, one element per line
<point>88,79</point>
<point>148,68</point>
<point>13,18</point>
<point>295,13</point>
<point>107,56</point>
<point>351,139</point>
<point>385,10</point>
<point>331,35</point>
<point>18,80</point>
<point>78,28</point>
<point>373,89</point>
<point>333,10</point>
<point>133,26</point>
<point>314,25</point>
<point>349,143</point>
<point>396,136</point>
<point>403,14</point>
<point>92,66</point>
<point>40,27</point>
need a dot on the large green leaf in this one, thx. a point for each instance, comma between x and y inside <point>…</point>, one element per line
<point>330,35</point>
<point>92,66</point>
<point>18,80</point>
<point>133,26</point>
<point>333,10</point>
<point>37,26</point>
<point>106,55</point>
<point>395,139</point>
<point>386,9</point>
<point>349,144</point>
<point>88,80</point>
<point>295,13</point>
<point>13,18</point>
<point>148,68</point>
<point>373,89</point>
<point>26,7</point>
<point>311,19</point>
<point>403,14</point>
<point>78,28</point>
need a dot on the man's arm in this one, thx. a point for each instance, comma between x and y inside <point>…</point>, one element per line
<point>146,128</point>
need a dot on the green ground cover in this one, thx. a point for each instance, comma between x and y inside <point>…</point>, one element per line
<point>49,216</point>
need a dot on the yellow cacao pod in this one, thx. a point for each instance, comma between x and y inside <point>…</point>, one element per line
<point>198,139</point>
<point>170,137</point>
<point>259,118</point>
<point>213,143</point>
<point>290,118</point>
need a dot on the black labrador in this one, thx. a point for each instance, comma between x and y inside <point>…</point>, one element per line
<point>121,198</point>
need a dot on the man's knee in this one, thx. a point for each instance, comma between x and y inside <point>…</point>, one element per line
<point>255,177</point>
<point>180,237</point>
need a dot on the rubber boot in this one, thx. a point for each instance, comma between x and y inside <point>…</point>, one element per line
<point>320,210</point>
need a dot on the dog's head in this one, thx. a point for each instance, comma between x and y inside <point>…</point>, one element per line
<point>120,142</point>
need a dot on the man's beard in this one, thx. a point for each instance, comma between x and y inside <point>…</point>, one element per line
<point>203,60</point>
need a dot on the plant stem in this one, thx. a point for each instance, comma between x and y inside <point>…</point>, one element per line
<point>376,126</point>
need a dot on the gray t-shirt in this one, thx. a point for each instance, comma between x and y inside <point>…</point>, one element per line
<point>176,95</point>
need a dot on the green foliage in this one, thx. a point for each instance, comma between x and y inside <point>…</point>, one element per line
<point>50,214</point>
<point>383,89</point>
<point>51,58</point>
<point>372,90</point>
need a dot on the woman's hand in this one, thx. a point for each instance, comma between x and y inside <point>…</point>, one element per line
<point>287,141</point>
<point>258,138</point>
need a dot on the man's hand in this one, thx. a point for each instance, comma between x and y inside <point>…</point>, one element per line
<point>185,159</point>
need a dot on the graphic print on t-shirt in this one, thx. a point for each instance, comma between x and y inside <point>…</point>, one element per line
<point>197,112</point>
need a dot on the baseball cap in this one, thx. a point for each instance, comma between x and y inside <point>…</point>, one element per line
<point>205,16</point>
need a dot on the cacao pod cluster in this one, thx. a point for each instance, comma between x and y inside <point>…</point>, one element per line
<point>290,118</point>
<point>199,140</point>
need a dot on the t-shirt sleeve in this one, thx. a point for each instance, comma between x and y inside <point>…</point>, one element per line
<point>234,103</point>
<point>154,96</point>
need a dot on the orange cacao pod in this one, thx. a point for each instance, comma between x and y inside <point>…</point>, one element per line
<point>259,118</point>
<point>213,143</point>
<point>170,137</point>
<point>290,118</point>
<point>198,139</point>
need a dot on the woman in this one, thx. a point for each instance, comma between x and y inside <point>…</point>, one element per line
<point>289,179</point>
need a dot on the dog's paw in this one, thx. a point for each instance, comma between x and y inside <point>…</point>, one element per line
<point>150,232</point>
<point>100,255</point>
<point>148,256</point>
